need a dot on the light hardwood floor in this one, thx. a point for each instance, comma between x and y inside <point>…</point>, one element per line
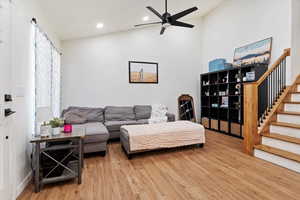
<point>218,171</point>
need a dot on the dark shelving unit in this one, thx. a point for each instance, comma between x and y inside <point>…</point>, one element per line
<point>222,101</point>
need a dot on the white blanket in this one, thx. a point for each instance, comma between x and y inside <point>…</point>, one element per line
<point>158,114</point>
<point>164,135</point>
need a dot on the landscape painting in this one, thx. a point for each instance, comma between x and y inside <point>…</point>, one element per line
<point>143,72</point>
<point>255,53</point>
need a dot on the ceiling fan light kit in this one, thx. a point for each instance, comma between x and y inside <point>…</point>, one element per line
<point>169,20</point>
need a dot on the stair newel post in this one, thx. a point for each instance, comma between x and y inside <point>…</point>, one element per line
<point>250,129</point>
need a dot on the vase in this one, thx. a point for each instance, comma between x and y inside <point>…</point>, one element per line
<point>45,131</point>
<point>56,131</point>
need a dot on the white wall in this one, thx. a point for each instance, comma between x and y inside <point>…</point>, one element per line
<point>295,14</point>
<point>95,70</point>
<point>236,23</point>
<point>23,80</point>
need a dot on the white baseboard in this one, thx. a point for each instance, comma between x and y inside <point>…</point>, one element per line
<point>21,187</point>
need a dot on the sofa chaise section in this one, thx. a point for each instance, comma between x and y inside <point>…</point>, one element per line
<point>91,119</point>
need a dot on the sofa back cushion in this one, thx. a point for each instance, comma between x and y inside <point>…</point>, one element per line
<point>90,114</point>
<point>142,111</point>
<point>121,113</point>
<point>73,117</point>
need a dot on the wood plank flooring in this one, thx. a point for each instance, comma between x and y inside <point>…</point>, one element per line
<point>218,171</point>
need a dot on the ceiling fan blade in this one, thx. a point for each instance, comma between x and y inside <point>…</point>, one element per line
<point>182,24</point>
<point>152,23</point>
<point>183,13</point>
<point>155,12</point>
<point>162,30</point>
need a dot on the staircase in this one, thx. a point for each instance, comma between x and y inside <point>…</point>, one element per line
<point>272,117</point>
<point>280,140</point>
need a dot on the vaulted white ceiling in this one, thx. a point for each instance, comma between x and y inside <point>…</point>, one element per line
<point>78,18</point>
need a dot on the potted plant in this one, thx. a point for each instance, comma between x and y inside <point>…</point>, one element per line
<point>56,124</point>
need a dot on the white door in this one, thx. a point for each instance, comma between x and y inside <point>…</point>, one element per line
<point>5,84</point>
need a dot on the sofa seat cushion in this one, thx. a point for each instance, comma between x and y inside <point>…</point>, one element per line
<point>142,111</point>
<point>142,121</point>
<point>116,125</point>
<point>94,132</point>
<point>115,113</point>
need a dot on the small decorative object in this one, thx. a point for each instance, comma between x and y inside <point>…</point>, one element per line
<point>236,105</point>
<point>224,102</point>
<point>222,93</point>
<point>225,79</point>
<point>218,64</point>
<point>143,72</point>
<point>244,78</point>
<point>206,83</point>
<point>250,76</point>
<point>45,130</point>
<point>68,128</point>
<point>56,124</point>
<point>238,89</point>
<point>255,53</point>
<point>56,131</point>
<point>206,93</point>
<point>214,105</point>
<point>238,77</point>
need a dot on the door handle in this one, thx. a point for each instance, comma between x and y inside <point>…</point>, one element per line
<point>8,112</point>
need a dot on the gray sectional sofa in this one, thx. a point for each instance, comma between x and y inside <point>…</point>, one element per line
<point>104,124</point>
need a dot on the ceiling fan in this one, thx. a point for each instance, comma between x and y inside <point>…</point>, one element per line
<point>170,20</point>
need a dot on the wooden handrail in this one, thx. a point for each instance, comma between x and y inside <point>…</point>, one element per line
<point>287,52</point>
<point>251,105</point>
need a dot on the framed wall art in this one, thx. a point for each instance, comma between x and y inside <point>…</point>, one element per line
<point>143,72</point>
<point>255,53</point>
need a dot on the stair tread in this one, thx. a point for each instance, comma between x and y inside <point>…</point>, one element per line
<point>295,92</point>
<point>282,137</point>
<point>292,102</point>
<point>288,113</point>
<point>289,125</point>
<point>278,152</point>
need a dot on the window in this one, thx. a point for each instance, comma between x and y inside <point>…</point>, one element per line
<point>47,77</point>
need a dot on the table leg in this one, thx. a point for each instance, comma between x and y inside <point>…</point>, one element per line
<point>80,161</point>
<point>82,151</point>
<point>37,167</point>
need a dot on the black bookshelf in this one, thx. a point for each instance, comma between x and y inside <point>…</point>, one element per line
<point>222,98</point>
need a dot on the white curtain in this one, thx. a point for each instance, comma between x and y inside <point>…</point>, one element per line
<point>56,83</point>
<point>47,77</point>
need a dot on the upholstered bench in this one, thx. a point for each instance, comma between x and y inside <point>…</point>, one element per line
<point>147,137</point>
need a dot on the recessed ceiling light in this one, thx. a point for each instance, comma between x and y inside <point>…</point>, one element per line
<point>99,25</point>
<point>146,18</point>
